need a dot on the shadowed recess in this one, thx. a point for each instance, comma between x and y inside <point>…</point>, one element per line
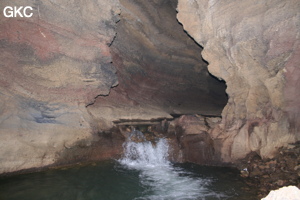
<point>159,65</point>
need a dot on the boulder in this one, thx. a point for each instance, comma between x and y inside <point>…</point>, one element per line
<point>284,193</point>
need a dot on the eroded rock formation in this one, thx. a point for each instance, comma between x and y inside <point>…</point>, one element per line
<point>160,69</point>
<point>254,47</point>
<point>60,69</point>
<point>52,65</point>
<point>57,64</point>
<point>190,140</point>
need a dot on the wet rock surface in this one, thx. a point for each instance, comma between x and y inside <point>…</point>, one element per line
<point>188,136</point>
<point>271,174</point>
<point>191,140</point>
<point>56,64</point>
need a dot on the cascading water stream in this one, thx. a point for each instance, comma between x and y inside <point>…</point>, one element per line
<point>161,179</point>
<point>144,173</point>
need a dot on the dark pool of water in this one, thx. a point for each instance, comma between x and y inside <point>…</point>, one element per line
<point>111,181</point>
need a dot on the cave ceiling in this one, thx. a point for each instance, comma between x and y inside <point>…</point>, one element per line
<point>159,65</point>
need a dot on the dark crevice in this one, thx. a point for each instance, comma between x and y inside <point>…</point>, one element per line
<point>159,64</point>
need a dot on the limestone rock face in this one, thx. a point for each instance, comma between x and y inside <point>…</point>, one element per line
<point>52,65</point>
<point>159,68</point>
<point>254,47</point>
<point>190,140</point>
<point>58,67</point>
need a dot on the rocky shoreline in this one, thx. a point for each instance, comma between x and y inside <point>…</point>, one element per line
<point>271,174</point>
<point>265,174</point>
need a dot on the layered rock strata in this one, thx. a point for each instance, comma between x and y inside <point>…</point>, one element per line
<point>57,65</point>
<point>52,65</point>
<point>254,47</point>
<point>160,69</point>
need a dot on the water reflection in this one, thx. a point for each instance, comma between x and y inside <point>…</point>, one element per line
<point>143,174</point>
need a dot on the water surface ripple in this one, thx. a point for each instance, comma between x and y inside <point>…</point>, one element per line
<point>143,173</point>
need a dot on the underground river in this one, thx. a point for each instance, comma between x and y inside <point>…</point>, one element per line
<point>143,173</point>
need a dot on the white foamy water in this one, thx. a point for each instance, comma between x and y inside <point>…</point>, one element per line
<point>161,179</point>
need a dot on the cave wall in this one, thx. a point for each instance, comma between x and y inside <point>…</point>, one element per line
<point>160,69</point>
<point>52,65</point>
<point>75,67</point>
<point>254,47</point>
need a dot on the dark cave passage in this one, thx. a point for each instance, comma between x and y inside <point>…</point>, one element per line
<point>159,65</point>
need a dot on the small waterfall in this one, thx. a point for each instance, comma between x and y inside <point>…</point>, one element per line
<point>162,180</point>
<point>140,155</point>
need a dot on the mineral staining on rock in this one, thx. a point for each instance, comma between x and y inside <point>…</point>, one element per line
<point>53,65</point>
<point>57,65</point>
<point>160,68</point>
<point>256,52</point>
